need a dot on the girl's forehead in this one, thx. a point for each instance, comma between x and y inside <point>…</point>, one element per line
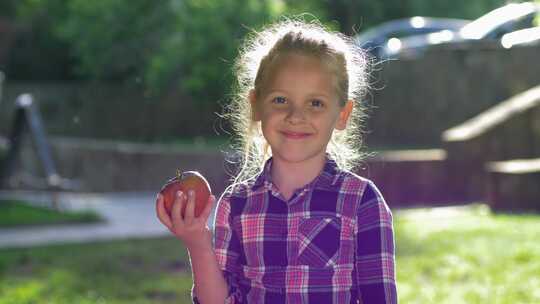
<point>288,58</point>
<point>299,67</point>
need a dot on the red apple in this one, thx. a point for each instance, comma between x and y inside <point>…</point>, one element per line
<point>188,180</point>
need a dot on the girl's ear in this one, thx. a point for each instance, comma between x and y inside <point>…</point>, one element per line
<point>255,116</point>
<point>344,115</point>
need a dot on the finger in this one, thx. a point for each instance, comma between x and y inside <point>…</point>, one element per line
<point>190,207</point>
<point>208,208</point>
<point>176,212</point>
<point>162,214</point>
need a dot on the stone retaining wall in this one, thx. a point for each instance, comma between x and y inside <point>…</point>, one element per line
<point>405,177</point>
<point>411,177</point>
<point>514,185</point>
<point>509,130</point>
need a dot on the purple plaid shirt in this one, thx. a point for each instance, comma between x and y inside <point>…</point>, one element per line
<point>332,242</point>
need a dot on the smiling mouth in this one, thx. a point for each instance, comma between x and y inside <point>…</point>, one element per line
<point>295,135</point>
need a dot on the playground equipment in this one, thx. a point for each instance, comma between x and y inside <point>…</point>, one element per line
<point>27,122</point>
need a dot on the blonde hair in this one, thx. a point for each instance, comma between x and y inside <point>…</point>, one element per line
<point>259,52</point>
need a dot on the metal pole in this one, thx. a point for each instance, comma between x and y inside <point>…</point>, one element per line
<point>26,101</point>
<point>2,78</point>
<point>27,115</point>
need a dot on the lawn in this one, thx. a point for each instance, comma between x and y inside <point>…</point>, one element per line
<point>14,213</point>
<point>444,255</point>
<point>467,255</point>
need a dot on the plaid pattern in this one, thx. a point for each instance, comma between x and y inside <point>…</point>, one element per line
<point>332,242</point>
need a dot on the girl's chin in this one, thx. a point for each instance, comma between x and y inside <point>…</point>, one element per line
<point>297,156</point>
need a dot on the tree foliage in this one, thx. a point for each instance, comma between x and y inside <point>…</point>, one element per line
<point>114,38</point>
<point>186,43</point>
<point>177,43</point>
<point>35,53</point>
<point>200,52</point>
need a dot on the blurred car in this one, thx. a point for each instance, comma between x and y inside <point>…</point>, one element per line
<point>528,36</point>
<point>491,26</point>
<point>375,39</point>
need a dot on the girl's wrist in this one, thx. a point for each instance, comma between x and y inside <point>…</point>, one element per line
<point>199,246</point>
<point>200,250</point>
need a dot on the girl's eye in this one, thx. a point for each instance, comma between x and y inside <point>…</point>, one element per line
<point>317,103</point>
<point>279,99</point>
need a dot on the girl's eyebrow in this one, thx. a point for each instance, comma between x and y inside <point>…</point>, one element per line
<point>275,91</point>
<point>319,95</point>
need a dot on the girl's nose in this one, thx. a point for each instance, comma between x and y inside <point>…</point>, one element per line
<point>295,115</point>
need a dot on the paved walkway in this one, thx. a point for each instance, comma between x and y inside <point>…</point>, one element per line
<point>127,215</point>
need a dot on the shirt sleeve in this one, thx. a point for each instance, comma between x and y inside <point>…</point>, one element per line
<point>375,261</point>
<point>227,250</point>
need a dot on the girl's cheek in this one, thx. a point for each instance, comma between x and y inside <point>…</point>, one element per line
<point>315,112</point>
<point>276,110</point>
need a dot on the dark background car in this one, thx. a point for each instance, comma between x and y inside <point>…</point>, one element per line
<point>528,36</point>
<point>489,27</point>
<point>375,39</point>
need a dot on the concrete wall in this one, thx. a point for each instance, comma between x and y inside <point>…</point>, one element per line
<point>420,98</point>
<point>411,177</point>
<point>405,177</point>
<point>506,132</point>
<point>513,185</point>
<point>116,166</point>
<point>91,110</point>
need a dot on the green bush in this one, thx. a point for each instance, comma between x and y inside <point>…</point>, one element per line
<point>161,44</point>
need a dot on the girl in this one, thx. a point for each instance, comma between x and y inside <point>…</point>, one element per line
<point>296,225</point>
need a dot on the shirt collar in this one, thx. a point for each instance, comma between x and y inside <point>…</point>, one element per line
<point>328,176</point>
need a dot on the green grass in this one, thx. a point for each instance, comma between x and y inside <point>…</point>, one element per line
<point>467,255</point>
<point>15,213</point>
<point>149,271</point>
<point>444,255</point>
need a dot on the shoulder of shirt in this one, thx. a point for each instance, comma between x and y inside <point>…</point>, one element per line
<point>238,190</point>
<point>351,180</point>
<point>345,176</point>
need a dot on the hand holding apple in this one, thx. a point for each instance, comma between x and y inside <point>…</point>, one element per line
<point>189,180</point>
<point>185,215</point>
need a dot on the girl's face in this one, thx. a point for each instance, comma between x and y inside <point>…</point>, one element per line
<point>299,108</point>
